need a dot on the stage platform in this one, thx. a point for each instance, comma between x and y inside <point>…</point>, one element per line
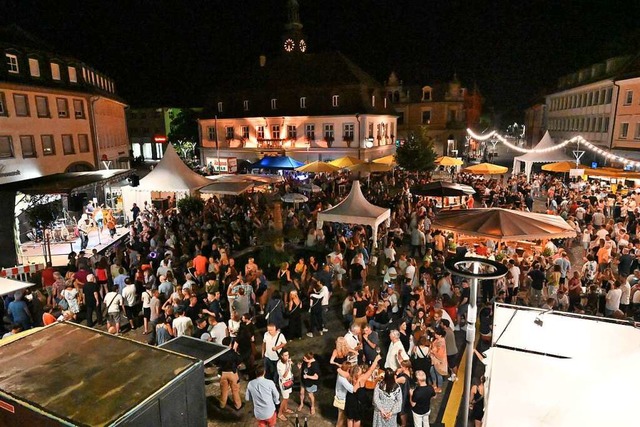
<point>34,252</point>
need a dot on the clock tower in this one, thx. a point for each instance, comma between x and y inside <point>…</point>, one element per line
<point>293,40</point>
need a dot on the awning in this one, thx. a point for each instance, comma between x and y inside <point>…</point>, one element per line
<point>67,183</point>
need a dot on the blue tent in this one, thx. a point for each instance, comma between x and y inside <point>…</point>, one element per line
<point>277,162</point>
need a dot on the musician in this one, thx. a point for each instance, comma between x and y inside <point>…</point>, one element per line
<point>84,226</point>
<point>98,218</point>
<point>89,209</point>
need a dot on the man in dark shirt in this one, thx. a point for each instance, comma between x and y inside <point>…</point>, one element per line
<point>420,400</point>
<point>92,300</point>
<point>360,310</point>
<point>246,344</point>
<point>355,274</point>
<point>538,278</point>
<point>228,367</point>
<point>370,342</point>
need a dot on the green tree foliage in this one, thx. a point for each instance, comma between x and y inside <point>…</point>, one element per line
<point>190,205</point>
<point>417,153</point>
<point>183,126</point>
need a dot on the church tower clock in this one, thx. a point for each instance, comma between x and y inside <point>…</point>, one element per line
<point>293,40</point>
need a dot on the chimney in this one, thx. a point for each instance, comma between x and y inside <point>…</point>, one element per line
<point>263,60</point>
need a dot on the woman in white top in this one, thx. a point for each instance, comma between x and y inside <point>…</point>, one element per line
<point>285,379</point>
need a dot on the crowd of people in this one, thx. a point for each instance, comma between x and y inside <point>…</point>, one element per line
<point>399,306</point>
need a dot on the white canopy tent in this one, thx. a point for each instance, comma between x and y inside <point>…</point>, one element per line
<point>171,176</point>
<point>355,209</point>
<point>557,371</point>
<point>532,157</point>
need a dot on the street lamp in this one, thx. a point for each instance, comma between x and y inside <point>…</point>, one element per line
<point>473,269</point>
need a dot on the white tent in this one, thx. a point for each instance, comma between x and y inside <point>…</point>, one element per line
<point>355,209</point>
<point>531,157</point>
<point>171,176</point>
<point>557,371</point>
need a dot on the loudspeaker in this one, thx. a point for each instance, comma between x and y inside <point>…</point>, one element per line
<point>77,202</point>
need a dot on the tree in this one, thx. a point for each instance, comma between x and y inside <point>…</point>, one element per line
<point>417,153</point>
<point>183,133</point>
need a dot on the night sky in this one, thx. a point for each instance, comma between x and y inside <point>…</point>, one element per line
<point>172,52</point>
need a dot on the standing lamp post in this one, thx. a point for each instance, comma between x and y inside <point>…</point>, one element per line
<point>473,269</point>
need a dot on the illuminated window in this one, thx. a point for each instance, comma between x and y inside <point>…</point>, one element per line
<point>260,132</point>
<point>303,102</point>
<point>219,107</point>
<point>6,146</point>
<point>48,145</point>
<point>373,100</point>
<point>12,64</point>
<point>370,130</point>
<point>275,132</point>
<point>328,131</point>
<point>628,99</point>
<point>274,103</point>
<point>27,146</point>
<point>55,71</point>
<point>73,75</point>
<point>245,132</point>
<point>334,100</point>
<point>34,67</point>
<point>228,132</point>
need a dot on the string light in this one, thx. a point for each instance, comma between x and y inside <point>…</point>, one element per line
<point>563,144</point>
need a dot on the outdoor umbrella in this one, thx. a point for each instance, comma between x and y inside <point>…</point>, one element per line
<point>310,188</point>
<point>486,169</point>
<point>448,161</point>
<point>563,167</point>
<point>316,167</point>
<point>371,167</point>
<point>386,160</point>
<point>345,162</point>
<point>294,198</point>
<point>443,189</point>
<point>503,225</point>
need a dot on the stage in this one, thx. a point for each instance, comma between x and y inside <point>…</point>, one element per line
<point>34,252</point>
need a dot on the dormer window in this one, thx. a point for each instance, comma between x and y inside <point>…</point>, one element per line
<point>426,93</point>
<point>12,63</point>
<point>34,67</point>
<point>246,105</point>
<point>334,100</point>
<point>73,75</point>
<point>274,103</point>
<point>219,107</point>
<point>303,102</point>
<point>373,100</point>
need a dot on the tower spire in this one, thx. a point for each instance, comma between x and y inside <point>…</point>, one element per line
<point>293,16</point>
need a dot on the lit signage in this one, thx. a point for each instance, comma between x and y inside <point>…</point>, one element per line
<point>160,139</point>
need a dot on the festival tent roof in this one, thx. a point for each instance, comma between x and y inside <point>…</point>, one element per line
<point>231,188</point>
<point>355,209</point>
<point>317,167</point>
<point>171,174</point>
<point>346,161</point>
<point>540,351</point>
<point>540,156</point>
<point>486,169</point>
<point>277,162</point>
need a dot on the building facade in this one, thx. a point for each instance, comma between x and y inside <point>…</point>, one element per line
<point>535,123</point>
<point>626,132</point>
<point>446,110</point>
<point>57,114</point>
<point>310,106</point>
<point>584,103</point>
